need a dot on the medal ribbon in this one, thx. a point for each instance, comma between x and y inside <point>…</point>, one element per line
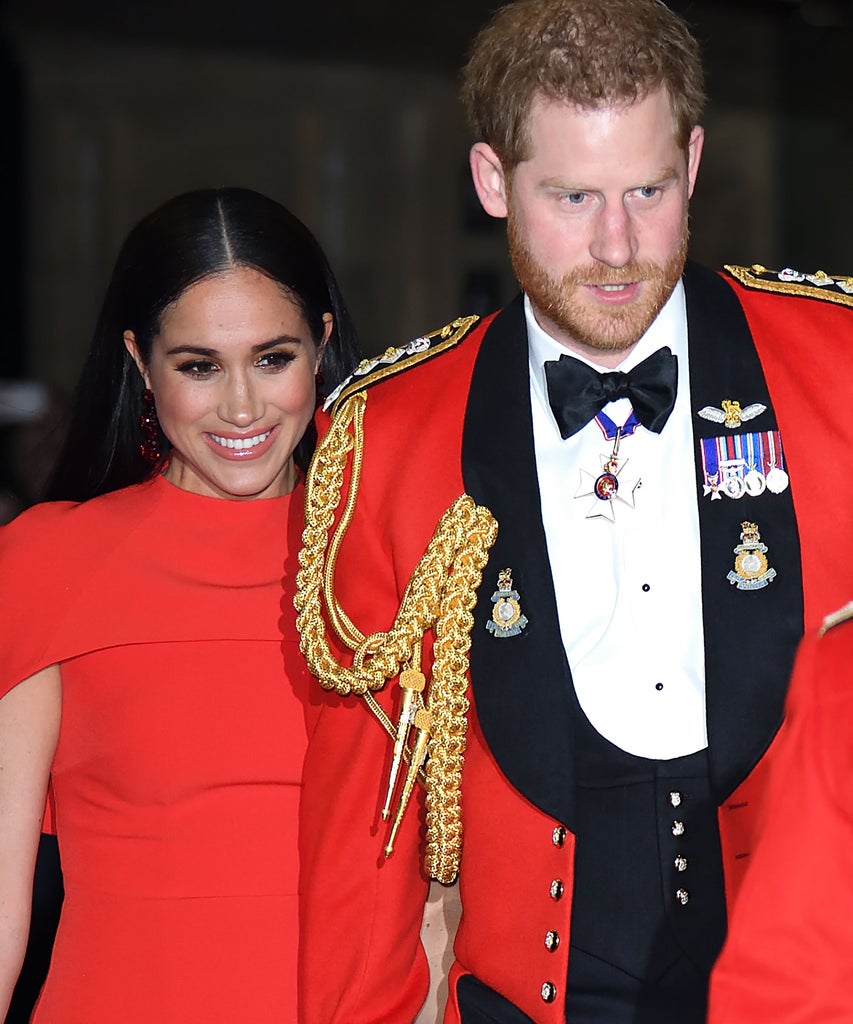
<point>755,452</point>
<point>608,428</point>
<point>710,457</point>
<point>775,458</point>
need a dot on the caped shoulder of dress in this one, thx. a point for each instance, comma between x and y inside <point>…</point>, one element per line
<point>836,288</point>
<point>397,360</point>
<point>836,618</point>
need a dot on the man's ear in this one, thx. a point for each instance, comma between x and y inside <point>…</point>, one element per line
<point>489,179</point>
<point>694,156</point>
<point>133,349</point>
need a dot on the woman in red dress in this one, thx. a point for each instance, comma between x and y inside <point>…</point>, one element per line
<point>150,676</point>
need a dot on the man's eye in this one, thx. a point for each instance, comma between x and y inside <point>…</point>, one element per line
<point>574,198</point>
<point>648,191</point>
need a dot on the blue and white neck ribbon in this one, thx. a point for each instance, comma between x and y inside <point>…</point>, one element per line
<point>608,428</point>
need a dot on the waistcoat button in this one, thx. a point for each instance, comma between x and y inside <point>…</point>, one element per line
<point>548,992</point>
<point>552,940</point>
<point>556,889</point>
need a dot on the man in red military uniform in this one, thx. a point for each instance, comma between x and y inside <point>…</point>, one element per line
<point>615,492</point>
<point>789,954</point>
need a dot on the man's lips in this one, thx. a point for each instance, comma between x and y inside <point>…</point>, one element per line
<point>615,292</point>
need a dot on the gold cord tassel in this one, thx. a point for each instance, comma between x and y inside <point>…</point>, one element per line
<point>412,684</point>
<point>422,722</point>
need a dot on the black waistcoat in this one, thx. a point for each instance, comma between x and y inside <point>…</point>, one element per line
<point>648,872</point>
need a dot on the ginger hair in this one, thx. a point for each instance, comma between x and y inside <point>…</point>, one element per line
<point>586,53</point>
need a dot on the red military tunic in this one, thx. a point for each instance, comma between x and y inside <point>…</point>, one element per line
<point>459,420</point>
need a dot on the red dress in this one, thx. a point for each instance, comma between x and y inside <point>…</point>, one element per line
<point>177,775</point>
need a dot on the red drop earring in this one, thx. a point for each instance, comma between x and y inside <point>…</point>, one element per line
<point>150,447</point>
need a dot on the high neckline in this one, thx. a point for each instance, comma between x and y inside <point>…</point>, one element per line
<point>206,505</point>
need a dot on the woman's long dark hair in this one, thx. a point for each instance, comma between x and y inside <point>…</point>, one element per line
<point>183,241</point>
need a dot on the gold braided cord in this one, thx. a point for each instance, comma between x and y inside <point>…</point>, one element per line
<point>448,705</point>
<point>340,621</point>
<point>439,596</point>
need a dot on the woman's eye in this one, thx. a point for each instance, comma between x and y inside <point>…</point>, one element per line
<point>197,368</point>
<point>275,360</point>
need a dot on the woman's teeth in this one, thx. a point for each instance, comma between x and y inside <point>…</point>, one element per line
<point>241,442</point>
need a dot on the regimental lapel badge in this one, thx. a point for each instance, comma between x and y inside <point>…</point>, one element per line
<point>608,487</point>
<point>743,464</point>
<point>730,413</point>
<point>507,618</point>
<point>752,570</point>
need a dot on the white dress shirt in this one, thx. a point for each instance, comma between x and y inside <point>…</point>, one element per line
<point>628,592</point>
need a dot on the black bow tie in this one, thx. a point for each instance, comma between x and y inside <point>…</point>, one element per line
<point>578,392</point>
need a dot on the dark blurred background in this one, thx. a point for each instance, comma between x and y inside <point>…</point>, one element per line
<point>347,113</point>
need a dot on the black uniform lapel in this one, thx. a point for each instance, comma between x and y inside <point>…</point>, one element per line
<point>750,635</point>
<point>521,683</point>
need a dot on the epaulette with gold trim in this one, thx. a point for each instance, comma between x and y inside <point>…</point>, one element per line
<point>794,282</point>
<point>836,618</point>
<point>395,360</point>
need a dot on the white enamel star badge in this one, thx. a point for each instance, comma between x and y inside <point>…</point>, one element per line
<point>608,488</point>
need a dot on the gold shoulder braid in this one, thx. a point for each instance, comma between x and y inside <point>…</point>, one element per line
<point>834,619</point>
<point>818,285</point>
<point>394,360</point>
<point>439,596</point>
